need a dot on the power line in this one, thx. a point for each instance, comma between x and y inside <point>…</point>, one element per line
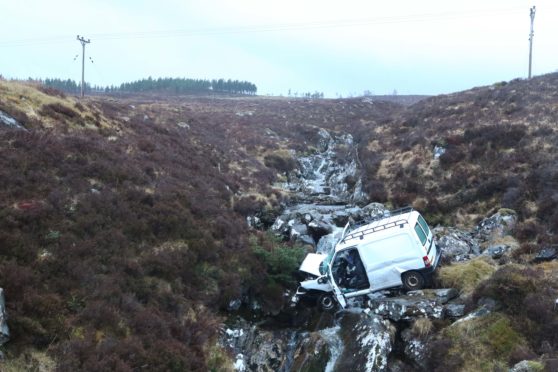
<point>427,17</point>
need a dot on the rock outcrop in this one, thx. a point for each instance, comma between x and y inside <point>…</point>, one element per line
<point>10,122</point>
<point>456,244</point>
<point>4,330</point>
<point>431,303</point>
<point>368,340</point>
<point>320,225</point>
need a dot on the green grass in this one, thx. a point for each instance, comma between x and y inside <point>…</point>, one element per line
<point>465,276</point>
<point>485,343</point>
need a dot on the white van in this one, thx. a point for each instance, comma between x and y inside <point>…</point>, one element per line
<point>395,250</point>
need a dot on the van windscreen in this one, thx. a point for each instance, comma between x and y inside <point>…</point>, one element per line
<point>420,233</point>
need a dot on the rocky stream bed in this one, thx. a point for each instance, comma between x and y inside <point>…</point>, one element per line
<point>378,333</point>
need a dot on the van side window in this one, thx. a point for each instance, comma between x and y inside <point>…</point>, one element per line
<point>424,225</point>
<point>420,233</point>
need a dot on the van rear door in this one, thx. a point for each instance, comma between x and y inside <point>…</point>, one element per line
<point>427,238</point>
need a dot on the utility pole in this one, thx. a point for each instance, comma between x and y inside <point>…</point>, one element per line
<point>531,34</point>
<point>83,42</point>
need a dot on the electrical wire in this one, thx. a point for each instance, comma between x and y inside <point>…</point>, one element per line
<point>427,17</point>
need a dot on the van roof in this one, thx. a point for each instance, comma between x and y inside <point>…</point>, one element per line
<point>368,230</point>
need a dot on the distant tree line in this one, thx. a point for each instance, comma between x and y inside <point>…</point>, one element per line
<point>166,85</point>
<point>315,95</point>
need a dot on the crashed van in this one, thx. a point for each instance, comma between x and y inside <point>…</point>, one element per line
<point>394,250</point>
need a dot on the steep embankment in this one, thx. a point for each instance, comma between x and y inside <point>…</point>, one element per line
<point>122,223</point>
<point>499,145</point>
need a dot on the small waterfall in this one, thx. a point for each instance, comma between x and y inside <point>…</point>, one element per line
<point>335,343</point>
<point>290,350</point>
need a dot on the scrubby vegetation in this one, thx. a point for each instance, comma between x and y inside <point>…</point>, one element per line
<point>123,229</point>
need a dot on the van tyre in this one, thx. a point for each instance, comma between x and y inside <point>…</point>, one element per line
<point>326,302</point>
<point>412,280</point>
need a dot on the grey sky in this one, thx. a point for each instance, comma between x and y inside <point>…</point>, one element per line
<point>414,47</point>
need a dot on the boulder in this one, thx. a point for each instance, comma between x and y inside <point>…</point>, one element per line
<point>234,305</point>
<point>415,349</point>
<point>324,140</point>
<point>456,244</point>
<point>340,218</point>
<point>496,226</point>
<point>374,210</point>
<point>10,122</point>
<point>446,294</point>
<point>307,240</point>
<point>254,222</point>
<point>439,151</point>
<point>318,229</point>
<point>527,366</point>
<point>431,303</point>
<point>297,230</point>
<point>497,251</point>
<point>257,349</point>
<point>4,330</point>
<point>454,311</point>
<point>547,254</point>
<point>312,353</point>
<point>367,343</point>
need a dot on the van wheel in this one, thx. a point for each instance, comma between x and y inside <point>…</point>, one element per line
<point>412,280</point>
<point>326,302</point>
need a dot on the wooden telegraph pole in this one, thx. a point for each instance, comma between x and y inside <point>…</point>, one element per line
<point>531,34</point>
<point>83,42</point>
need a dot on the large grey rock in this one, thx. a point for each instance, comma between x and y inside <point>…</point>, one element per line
<point>527,366</point>
<point>319,229</point>
<point>374,210</point>
<point>415,348</point>
<point>429,302</point>
<point>312,353</point>
<point>306,240</point>
<point>456,244</point>
<point>324,140</point>
<point>497,226</point>
<point>340,218</point>
<point>547,254</point>
<point>257,349</point>
<point>4,330</point>
<point>477,313</point>
<point>298,229</point>
<point>367,343</point>
<point>454,311</point>
<point>10,122</point>
<point>254,222</point>
<point>497,251</point>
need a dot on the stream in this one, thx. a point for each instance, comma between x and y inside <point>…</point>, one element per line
<point>372,336</point>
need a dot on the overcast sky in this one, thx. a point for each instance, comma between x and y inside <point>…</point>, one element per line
<point>335,47</point>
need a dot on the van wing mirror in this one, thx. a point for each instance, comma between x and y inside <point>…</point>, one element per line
<point>323,279</point>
